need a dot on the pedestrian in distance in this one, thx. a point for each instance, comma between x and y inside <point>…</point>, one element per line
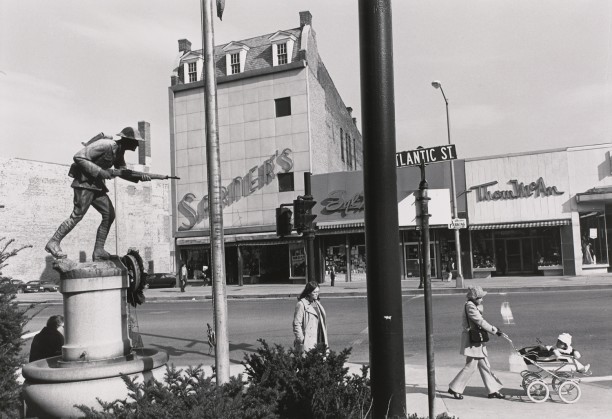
<point>475,352</point>
<point>92,166</point>
<point>183,277</point>
<point>49,341</point>
<point>309,320</point>
<point>332,275</point>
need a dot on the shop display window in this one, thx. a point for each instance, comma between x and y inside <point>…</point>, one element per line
<point>593,239</point>
<point>483,255</point>
<point>297,261</point>
<point>251,261</point>
<point>336,258</point>
<point>358,259</point>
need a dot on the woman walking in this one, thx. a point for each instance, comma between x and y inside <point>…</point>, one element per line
<point>475,352</point>
<point>309,323</point>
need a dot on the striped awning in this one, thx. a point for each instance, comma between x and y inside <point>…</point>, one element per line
<point>528,224</point>
<point>329,225</point>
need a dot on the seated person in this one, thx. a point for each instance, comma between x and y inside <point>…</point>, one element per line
<point>563,350</point>
<point>49,341</point>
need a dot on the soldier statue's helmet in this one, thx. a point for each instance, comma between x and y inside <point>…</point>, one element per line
<point>130,133</point>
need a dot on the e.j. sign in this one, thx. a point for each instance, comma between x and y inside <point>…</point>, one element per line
<point>425,155</point>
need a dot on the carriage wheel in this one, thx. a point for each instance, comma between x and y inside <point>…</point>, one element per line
<point>528,378</point>
<point>537,391</point>
<point>563,376</point>
<point>569,391</point>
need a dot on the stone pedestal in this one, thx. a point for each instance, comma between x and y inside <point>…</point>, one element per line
<point>97,346</point>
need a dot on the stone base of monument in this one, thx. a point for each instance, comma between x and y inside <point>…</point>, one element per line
<point>97,349</point>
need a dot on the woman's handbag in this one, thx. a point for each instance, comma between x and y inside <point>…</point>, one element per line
<point>477,334</point>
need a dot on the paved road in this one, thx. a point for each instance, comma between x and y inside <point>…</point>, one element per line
<point>179,327</point>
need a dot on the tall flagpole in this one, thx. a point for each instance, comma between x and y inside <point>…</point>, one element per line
<point>215,204</point>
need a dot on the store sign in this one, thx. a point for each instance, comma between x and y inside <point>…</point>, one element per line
<point>457,224</point>
<point>519,190</point>
<point>242,186</point>
<point>338,203</point>
<point>425,155</point>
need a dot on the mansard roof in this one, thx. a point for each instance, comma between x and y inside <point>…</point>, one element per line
<point>259,55</point>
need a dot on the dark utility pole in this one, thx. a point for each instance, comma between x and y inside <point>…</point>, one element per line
<point>385,323</point>
<point>426,280</point>
<point>309,232</point>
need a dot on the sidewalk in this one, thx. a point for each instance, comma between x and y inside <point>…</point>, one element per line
<point>195,291</point>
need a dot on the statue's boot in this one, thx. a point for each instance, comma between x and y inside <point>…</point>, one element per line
<point>53,245</point>
<point>99,253</point>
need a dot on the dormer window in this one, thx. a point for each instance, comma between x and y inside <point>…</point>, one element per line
<point>282,47</point>
<point>193,72</point>
<point>235,63</point>
<point>235,58</point>
<point>281,50</point>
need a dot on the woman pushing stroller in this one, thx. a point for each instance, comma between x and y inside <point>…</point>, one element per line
<point>475,352</point>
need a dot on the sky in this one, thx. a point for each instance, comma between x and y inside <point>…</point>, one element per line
<point>520,75</point>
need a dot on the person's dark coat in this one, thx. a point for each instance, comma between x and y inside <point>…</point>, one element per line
<point>46,344</point>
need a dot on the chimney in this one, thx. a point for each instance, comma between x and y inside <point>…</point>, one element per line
<point>305,19</point>
<point>184,45</point>
<point>144,151</point>
<point>350,111</point>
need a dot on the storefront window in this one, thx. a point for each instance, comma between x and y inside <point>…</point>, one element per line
<point>482,250</point>
<point>297,257</point>
<point>195,259</point>
<point>593,238</point>
<point>250,260</point>
<point>336,258</point>
<point>358,259</point>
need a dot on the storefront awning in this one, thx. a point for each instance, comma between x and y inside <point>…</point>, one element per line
<point>595,195</point>
<point>328,225</point>
<point>528,224</point>
<point>258,239</point>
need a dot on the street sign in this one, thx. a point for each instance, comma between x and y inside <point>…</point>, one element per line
<point>457,224</point>
<point>425,155</point>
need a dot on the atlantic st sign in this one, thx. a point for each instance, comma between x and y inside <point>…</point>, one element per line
<point>425,155</point>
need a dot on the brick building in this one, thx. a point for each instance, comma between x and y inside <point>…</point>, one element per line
<point>279,115</point>
<point>35,197</point>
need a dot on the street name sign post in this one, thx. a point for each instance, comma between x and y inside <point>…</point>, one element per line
<point>426,155</point>
<point>422,157</point>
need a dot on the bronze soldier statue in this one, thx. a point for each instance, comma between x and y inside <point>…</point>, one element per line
<point>92,166</point>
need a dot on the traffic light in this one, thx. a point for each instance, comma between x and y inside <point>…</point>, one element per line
<point>303,213</point>
<point>283,222</point>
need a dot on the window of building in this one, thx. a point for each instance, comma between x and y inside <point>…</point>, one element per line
<point>283,106</point>
<point>282,47</point>
<point>282,53</point>
<point>342,144</point>
<point>193,72</point>
<point>349,151</point>
<point>235,62</point>
<point>593,237</point>
<point>285,182</point>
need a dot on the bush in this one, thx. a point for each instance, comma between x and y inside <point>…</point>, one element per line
<point>12,321</point>
<point>280,384</point>
<point>315,385</point>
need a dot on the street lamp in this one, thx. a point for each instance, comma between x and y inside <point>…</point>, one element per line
<point>436,84</point>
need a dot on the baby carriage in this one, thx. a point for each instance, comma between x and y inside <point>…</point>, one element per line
<point>546,371</point>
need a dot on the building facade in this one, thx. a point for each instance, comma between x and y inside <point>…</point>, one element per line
<point>279,116</point>
<point>35,197</point>
<point>544,212</point>
<point>340,211</point>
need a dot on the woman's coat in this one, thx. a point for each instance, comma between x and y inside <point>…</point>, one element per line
<point>305,325</point>
<point>474,312</point>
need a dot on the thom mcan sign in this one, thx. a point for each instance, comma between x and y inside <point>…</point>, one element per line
<point>518,190</point>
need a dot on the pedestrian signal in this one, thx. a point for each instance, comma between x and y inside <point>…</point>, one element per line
<point>283,222</point>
